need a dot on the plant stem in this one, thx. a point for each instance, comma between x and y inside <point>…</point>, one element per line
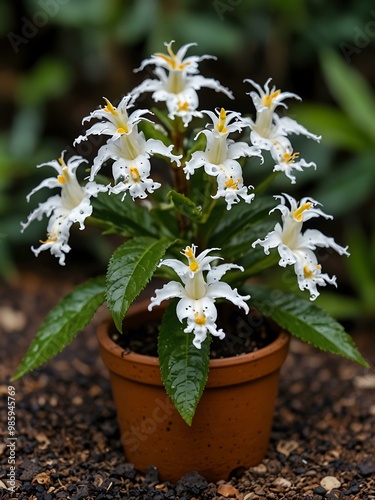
<point>179,179</point>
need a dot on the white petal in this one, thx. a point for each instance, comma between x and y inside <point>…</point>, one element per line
<point>223,290</point>
<point>169,291</point>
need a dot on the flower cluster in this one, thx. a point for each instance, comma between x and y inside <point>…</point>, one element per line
<point>218,153</point>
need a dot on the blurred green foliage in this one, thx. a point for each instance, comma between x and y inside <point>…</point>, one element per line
<point>59,57</point>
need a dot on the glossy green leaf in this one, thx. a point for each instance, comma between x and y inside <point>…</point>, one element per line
<point>238,218</point>
<point>350,89</point>
<point>304,320</point>
<point>123,216</point>
<point>239,246</point>
<point>63,323</point>
<point>154,133</point>
<point>185,206</point>
<point>130,269</point>
<point>184,368</point>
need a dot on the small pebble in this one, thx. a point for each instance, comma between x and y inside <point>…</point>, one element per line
<point>228,491</point>
<point>260,492</point>
<point>274,467</point>
<point>260,469</point>
<point>334,495</point>
<point>286,447</point>
<point>366,468</point>
<point>281,484</point>
<point>330,483</point>
<point>250,496</point>
<point>319,490</point>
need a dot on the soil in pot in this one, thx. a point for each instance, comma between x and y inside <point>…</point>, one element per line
<point>244,334</point>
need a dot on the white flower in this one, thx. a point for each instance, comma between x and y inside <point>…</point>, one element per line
<point>128,147</point>
<point>220,155</point>
<point>131,167</point>
<point>286,160</point>
<point>296,248</point>
<point>269,132</point>
<point>178,82</point>
<point>198,294</point>
<point>114,121</point>
<point>72,205</point>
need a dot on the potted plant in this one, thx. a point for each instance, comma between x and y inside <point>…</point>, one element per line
<point>208,236</point>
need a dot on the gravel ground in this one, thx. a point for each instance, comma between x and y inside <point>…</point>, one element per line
<point>67,447</point>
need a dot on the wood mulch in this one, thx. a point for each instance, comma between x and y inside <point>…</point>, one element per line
<point>67,447</point>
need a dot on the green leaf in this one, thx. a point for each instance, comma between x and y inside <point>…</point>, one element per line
<point>123,216</point>
<point>343,191</point>
<point>359,265</point>
<point>239,246</point>
<point>151,131</point>
<point>130,269</point>
<point>342,307</point>
<point>185,206</point>
<point>334,125</point>
<point>62,324</point>
<point>304,320</point>
<point>238,218</point>
<point>163,117</point>
<point>351,91</point>
<point>48,79</point>
<point>184,368</point>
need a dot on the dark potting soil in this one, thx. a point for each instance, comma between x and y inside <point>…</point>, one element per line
<point>243,334</point>
<point>68,443</point>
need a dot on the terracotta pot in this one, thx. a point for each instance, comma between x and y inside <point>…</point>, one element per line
<point>231,426</point>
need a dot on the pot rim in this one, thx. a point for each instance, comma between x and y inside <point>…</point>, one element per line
<point>145,359</point>
<point>254,364</point>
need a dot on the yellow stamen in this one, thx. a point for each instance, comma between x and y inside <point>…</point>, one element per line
<point>193,264</point>
<point>287,158</point>
<point>123,130</point>
<point>307,273</point>
<point>135,174</point>
<point>267,99</point>
<point>298,214</point>
<point>109,108</point>
<point>189,252</point>
<point>61,161</point>
<point>63,178</point>
<point>200,320</point>
<point>50,239</point>
<point>172,60</point>
<point>231,184</point>
<point>222,119</point>
<point>183,106</point>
